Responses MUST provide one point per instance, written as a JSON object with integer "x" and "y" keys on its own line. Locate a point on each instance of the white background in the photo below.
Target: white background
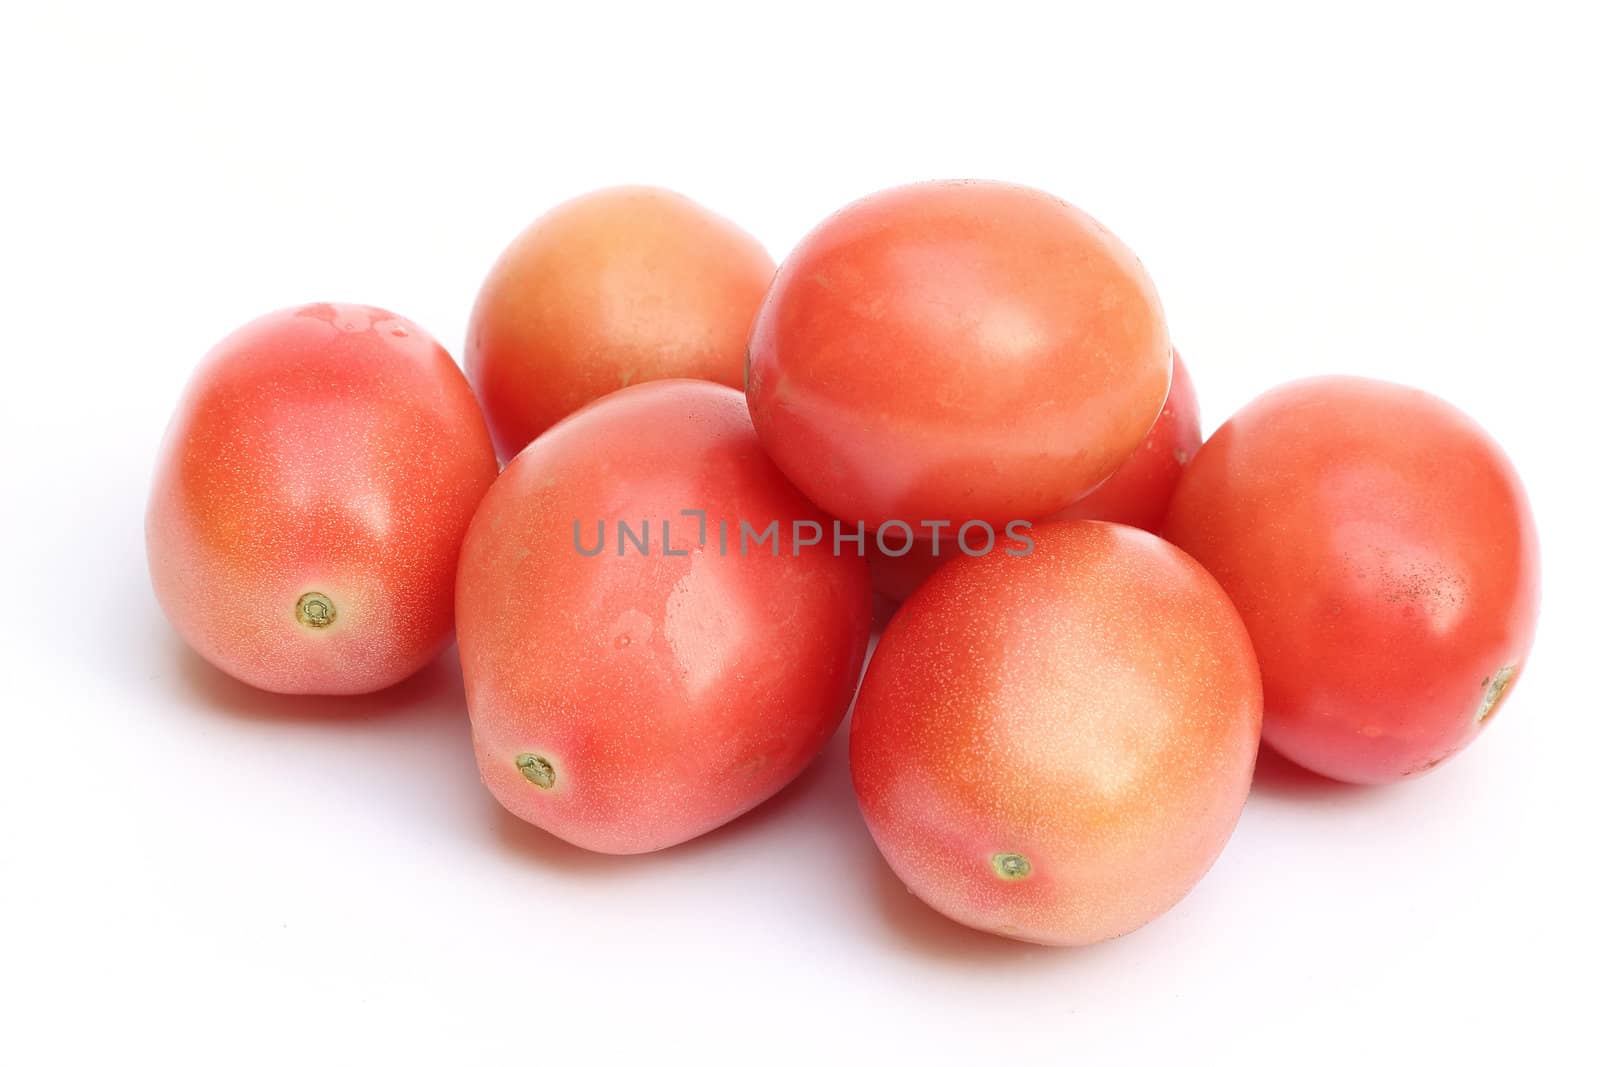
{"x": 195, "y": 872}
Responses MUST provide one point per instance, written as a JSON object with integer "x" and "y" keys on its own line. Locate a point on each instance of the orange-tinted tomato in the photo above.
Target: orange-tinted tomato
{"x": 619, "y": 286}
{"x": 635, "y": 698}
{"x": 955, "y": 351}
{"x": 311, "y": 497}
{"x": 1056, "y": 746}
{"x": 1380, "y": 548}
{"x": 1136, "y": 495}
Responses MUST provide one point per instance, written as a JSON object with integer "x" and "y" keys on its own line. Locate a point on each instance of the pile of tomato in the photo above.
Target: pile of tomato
{"x": 958, "y": 400}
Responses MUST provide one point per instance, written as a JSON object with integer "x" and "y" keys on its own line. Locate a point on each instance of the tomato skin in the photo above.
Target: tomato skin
{"x": 1092, "y": 708}
{"x": 332, "y": 452}
{"x": 618, "y": 286}
{"x": 1382, "y": 552}
{"x": 666, "y": 694}
{"x": 1136, "y": 495}
{"x": 955, "y": 351}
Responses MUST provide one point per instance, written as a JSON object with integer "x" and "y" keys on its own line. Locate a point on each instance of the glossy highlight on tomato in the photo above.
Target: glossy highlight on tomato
{"x": 615, "y": 287}
{"x": 1055, "y": 747}
{"x": 1381, "y": 549}
{"x": 310, "y": 500}
{"x": 953, "y": 351}
{"x": 628, "y": 699}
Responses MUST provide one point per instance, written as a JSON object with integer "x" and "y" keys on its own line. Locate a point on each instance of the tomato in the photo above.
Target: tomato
{"x": 619, "y": 286}
{"x": 955, "y": 351}
{"x": 633, "y": 698}
{"x": 311, "y": 497}
{"x": 1381, "y": 550}
{"x": 1136, "y": 495}
{"x": 1056, "y": 746}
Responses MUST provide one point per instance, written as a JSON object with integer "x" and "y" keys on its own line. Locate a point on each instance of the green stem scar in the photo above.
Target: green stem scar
{"x": 1493, "y": 689}
{"x": 1012, "y": 866}
{"x": 537, "y": 770}
{"x": 315, "y": 610}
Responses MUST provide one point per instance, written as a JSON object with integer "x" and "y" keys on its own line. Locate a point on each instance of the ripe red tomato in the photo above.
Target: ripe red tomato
{"x": 955, "y": 351}
{"x": 619, "y": 286}
{"x": 1136, "y": 495}
{"x": 1056, "y": 746}
{"x": 1380, "y": 548}
{"x": 630, "y": 700}
{"x": 311, "y": 497}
